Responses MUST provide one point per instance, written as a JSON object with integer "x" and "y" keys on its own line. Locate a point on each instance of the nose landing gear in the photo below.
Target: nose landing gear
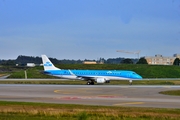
{"x": 130, "y": 82}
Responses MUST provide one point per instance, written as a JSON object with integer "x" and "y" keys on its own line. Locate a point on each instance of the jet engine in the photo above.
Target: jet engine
{"x": 100, "y": 80}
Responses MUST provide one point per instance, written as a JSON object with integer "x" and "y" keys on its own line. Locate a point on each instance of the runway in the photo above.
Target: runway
{"x": 106, "y": 95}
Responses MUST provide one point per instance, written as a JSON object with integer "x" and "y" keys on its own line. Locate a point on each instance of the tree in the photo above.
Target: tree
{"x": 176, "y": 61}
{"x": 127, "y": 61}
{"x": 9, "y": 62}
{"x": 142, "y": 61}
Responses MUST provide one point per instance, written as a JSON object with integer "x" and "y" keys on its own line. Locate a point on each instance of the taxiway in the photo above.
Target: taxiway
{"x": 106, "y": 95}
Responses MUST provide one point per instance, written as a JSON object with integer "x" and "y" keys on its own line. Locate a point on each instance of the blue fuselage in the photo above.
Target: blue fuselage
{"x": 91, "y": 74}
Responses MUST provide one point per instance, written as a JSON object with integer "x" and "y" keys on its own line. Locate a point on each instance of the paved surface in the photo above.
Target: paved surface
{"x": 4, "y": 77}
{"x": 108, "y": 95}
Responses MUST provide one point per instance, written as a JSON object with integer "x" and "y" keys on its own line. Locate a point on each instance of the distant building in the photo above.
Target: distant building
{"x": 160, "y": 60}
{"x": 89, "y": 62}
{"x": 31, "y": 65}
{"x": 101, "y": 62}
{"x": 177, "y": 55}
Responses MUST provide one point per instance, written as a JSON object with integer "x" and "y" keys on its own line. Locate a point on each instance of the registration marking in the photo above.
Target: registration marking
{"x": 129, "y": 103}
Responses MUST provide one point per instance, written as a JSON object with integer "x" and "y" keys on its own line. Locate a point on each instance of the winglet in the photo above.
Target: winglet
{"x": 48, "y": 65}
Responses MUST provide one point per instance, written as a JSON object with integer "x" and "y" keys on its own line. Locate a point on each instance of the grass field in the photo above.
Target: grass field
{"x": 171, "y": 92}
{"x": 146, "y": 71}
{"x": 37, "y": 111}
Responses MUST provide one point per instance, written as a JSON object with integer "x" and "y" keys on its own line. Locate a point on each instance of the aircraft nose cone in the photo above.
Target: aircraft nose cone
{"x": 139, "y": 77}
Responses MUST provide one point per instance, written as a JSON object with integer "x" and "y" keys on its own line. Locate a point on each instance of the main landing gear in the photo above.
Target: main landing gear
{"x": 90, "y": 82}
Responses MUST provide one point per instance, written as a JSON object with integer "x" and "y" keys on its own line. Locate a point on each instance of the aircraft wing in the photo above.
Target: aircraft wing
{"x": 82, "y": 77}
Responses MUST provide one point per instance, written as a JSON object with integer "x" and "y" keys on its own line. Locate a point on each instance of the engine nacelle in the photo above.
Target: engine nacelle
{"x": 100, "y": 80}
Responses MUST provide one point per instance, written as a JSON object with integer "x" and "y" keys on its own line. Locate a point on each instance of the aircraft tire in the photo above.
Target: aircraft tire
{"x": 88, "y": 83}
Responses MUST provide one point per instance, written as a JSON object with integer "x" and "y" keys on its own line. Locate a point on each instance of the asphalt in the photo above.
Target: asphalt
{"x": 106, "y": 95}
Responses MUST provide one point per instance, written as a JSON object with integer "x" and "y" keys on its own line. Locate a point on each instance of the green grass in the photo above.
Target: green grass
{"x": 171, "y": 92}
{"x": 36, "y": 111}
{"x": 146, "y": 71}
{"x": 35, "y": 72}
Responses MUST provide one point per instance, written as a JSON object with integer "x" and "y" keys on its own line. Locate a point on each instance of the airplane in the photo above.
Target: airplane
{"x": 91, "y": 76}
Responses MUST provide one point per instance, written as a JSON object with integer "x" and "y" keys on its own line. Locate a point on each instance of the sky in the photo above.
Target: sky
{"x": 89, "y": 29}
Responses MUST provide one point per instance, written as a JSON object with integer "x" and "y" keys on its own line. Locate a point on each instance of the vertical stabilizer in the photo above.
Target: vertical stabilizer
{"x": 48, "y": 64}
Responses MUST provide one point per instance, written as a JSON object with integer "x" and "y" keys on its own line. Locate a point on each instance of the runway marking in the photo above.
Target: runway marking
{"x": 57, "y": 91}
{"x": 74, "y": 97}
{"x": 68, "y": 91}
{"x": 79, "y": 90}
{"x": 88, "y": 97}
{"x": 110, "y": 96}
{"x": 129, "y": 103}
{"x": 70, "y": 98}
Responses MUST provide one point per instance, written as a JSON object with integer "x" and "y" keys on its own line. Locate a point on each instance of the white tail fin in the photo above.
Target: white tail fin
{"x": 48, "y": 64}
